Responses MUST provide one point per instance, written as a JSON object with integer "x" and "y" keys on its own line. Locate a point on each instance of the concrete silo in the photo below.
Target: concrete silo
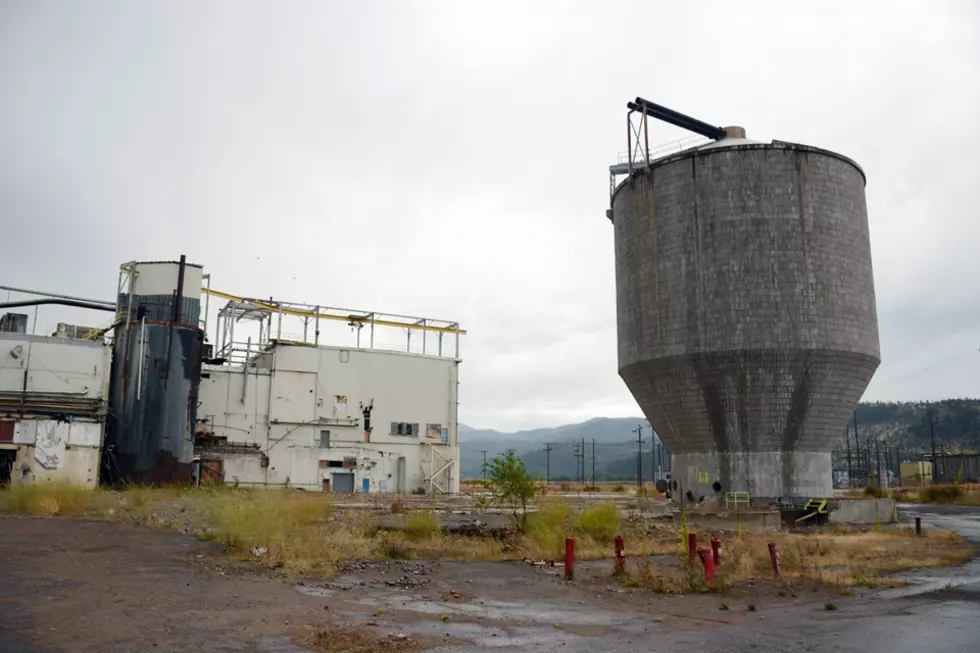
{"x": 746, "y": 309}
{"x": 156, "y": 373}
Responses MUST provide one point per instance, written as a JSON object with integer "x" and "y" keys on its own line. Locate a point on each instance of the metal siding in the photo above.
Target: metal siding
{"x": 150, "y": 429}
{"x": 293, "y": 397}
{"x": 85, "y": 434}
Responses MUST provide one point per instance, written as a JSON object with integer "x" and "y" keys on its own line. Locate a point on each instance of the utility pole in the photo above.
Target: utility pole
{"x": 847, "y": 438}
{"x": 583, "y": 461}
{"x": 857, "y": 440}
{"x": 878, "y": 459}
{"x": 639, "y": 455}
{"x": 593, "y": 461}
{"x": 484, "y": 465}
{"x": 577, "y": 452}
{"x": 932, "y": 436}
{"x": 547, "y": 451}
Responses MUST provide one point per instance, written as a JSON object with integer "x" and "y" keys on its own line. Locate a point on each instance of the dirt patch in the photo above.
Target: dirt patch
{"x": 345, "y": 640}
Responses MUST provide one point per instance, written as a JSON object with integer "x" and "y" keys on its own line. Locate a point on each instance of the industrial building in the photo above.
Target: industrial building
{"x": 746, "y": 312}
{"x": 339, "y": 418}
{"x": 53, "y": 405}
{"x": 150, "y": 397}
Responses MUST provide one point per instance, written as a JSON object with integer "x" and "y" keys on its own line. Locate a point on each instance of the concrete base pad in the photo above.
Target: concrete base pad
{"x": 763, "y": 474}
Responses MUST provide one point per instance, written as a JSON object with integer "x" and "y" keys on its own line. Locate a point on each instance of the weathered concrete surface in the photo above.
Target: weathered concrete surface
{"x": 752, "y": 521}
{"x": 863, "y": 511}
{"x": 746, "y": 313}
{"x": 104, "y": 587}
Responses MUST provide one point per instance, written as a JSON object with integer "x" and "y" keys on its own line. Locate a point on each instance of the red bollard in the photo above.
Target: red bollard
{"x": 716, "y": 550}
{"x": 569, "y": 558}
{"x": 620, "y": 558}
{"x": 692, "y": 546}
{"x": 774, "y": 555}
{"x": 708, "y": 560}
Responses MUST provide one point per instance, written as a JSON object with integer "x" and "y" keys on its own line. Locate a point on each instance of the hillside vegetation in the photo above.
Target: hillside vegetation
{"x": 956, "y": 423}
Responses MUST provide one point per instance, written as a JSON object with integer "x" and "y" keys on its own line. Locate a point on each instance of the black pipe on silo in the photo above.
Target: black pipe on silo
{"x": 180, "y": 287}
{"x": 676, "y": 118}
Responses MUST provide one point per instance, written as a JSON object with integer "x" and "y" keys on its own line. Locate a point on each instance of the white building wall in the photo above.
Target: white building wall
{"x": 42, "y": 379}
{"x": 53, "y": 451}
{"x": 76, "y": 368}
{"x": 311, "y": 390}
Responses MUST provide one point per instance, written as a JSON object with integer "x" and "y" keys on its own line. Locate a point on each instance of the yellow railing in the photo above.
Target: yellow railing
{"x": 737, "y": 499}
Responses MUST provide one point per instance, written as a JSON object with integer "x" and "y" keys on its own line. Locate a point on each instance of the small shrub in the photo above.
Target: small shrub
{"x": 422, "y": 525}
{"x": 419, "y": 491}
{"x": 830, "y": 606}
{"x": 847, "y": 592}
{"x": 513, "y": 487}
{"x": 874, "y": 491}
{"x": 723, "y": 606}
{"x": 590, "y": 488}
{"x": 600, "y": 522}
{"x": 395, "y": 552}
{"x": 940, "y": 493}
{"x": 565, "y": 487}
{"x": 750, "y": 607}
{"x": 397, "y": 507}
{"x": 619, "y": 488}
{"x": 549, "y": 526}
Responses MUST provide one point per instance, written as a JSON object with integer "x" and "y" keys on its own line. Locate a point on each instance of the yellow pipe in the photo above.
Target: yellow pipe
{"x": 343, "y": 318}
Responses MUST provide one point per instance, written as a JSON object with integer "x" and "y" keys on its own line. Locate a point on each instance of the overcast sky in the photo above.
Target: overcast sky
{"x": 449, "y": 159}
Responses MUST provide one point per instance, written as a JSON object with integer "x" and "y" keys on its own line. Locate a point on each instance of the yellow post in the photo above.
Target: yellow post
{"x": 682, "y": 534}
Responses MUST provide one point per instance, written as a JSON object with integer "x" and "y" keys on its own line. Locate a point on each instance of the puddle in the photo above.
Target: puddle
{"x": 539, "y": 611}
{"x": 278, "y": 645}
{"x": 313, "y": 590}
{"x": 966, "y": 522}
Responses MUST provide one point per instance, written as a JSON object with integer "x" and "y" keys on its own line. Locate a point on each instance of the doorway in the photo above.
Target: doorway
{"x": 7, "y": 458}
{"x": 343, "y": 483}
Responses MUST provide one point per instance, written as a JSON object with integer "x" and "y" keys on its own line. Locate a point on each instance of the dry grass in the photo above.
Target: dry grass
{"x": 841, "y": 557}
{"x": 422, "y": 525}
{"x": 957, "y": 495}
{"x": 50, "y": 499}
{"x": 289, "y": 528}
{"x": 303, "y": 533}
{"x": 594, "y": 528}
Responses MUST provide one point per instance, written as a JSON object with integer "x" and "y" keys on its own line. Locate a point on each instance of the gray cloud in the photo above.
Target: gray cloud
{"x": 449, "y": 159}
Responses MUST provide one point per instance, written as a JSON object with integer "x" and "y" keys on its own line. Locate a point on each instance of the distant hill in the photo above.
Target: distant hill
{"x": 615, "y": 448}
{"x": 905, "y": 425}
{"x": 956, "y": 423}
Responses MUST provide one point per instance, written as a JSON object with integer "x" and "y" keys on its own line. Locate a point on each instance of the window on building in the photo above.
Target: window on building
{"x": 410, "y": 429}
{"x": 324, "y": 439}
{"x": 433, "y": 431}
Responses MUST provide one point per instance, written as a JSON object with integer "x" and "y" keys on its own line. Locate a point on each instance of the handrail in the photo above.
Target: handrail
{"x": 364, "y": 317}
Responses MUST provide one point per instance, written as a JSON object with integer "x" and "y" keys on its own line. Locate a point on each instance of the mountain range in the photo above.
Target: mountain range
{"x": 905, "y": 425}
